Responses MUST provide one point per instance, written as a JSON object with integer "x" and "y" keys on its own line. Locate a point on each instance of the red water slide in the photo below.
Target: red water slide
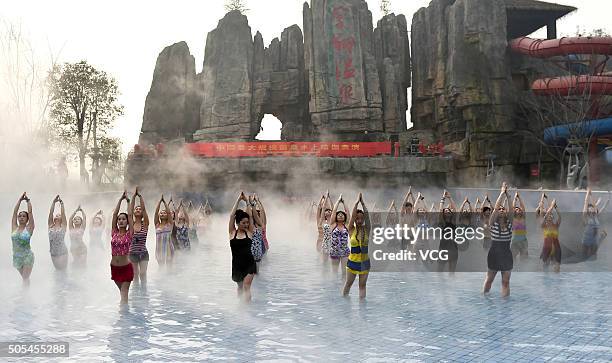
{"x": 569, "y": 85}
{"x": 573, "y": 85}
{"x": 539, "y": 48}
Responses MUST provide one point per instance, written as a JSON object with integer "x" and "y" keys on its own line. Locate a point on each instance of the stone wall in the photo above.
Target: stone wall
{"x": 339, "y": 80}
{"x": 172, "y": 105}
{"x": 462, "y": 84}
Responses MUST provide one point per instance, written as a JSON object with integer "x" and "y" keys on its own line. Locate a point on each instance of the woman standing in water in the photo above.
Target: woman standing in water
{"x": 77, "y": 225}
{"x": 139, "y": 255}
{"x": 122, "y": 271}
{"x": 241, "y": 228}
{"x": 182, "y": 228}
{"x": 96, "y": 231}
{"x": 195, "y": 219}
{"x": 499, "y": 258}
{"x": 261, "y": 221}
{"x": 448, "y": 223}
{"x": 358, "y": 261}
{"x": 339, "y": 250}
{"x": 22, "y": 229}
{"x": 164, "y": 224}
{"x": 323, "y": 224}
{"x": 484, "y": 219}
{"x": 551, "y": 250}
{"x": 519, "y": 245}
{"x": 57, "y": 233}
{"x": 590, "y": 218}
{"x": 407, "y": 215}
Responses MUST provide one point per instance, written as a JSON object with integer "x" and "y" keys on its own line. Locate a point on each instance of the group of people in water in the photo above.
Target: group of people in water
{"x": 176, "y": 228}
{"x": 503, "y": 223}
{"x": 343, "y": 234}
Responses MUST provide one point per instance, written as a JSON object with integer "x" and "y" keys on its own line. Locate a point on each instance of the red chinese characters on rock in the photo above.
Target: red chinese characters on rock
{"x": 343, "y": 44}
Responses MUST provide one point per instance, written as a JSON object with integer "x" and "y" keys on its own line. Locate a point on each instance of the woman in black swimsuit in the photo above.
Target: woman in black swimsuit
{"x": 241, "y": 228}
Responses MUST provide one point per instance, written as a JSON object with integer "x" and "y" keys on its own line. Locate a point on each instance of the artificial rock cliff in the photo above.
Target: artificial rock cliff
{"x": 462, "y": 84}
{"x": 339, "y": 79}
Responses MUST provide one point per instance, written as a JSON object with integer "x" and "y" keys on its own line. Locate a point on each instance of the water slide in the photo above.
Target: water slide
{"x": 592, "y": 85}
{"x": 570, "y": 85}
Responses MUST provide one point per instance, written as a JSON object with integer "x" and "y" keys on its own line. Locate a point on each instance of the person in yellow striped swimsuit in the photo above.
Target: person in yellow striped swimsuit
{"x": 358, "y": 261}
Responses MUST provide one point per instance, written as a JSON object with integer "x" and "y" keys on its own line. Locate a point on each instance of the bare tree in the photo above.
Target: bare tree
{"x": 575, "y": 111}
{"x": 240, "y": 5}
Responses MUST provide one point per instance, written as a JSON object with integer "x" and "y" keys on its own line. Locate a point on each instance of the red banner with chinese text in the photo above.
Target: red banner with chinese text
{"x": 289, "y": 149}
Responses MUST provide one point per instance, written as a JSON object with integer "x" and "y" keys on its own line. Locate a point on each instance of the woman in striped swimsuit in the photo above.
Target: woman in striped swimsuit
{"x": 339, "y": 250}
{"x": 358, "y": 261}
{"x": 139, "y": 255}
{"x": 164, "y": 224}
{"x": 499, "y": 258}
{"x": 57, "y": 233}
{"x": 77, "y": 225}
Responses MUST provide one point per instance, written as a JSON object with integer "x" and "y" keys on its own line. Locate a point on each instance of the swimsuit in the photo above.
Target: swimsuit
{"x": 120, "y": 243}
{"x": 326, "y": 241}
{"x": 182, "y": 237}
{"x": 164, "y": 247}
{"x": 243, "y": 263}
{"x": 138, "y": 247}
{"x": 500, "y": 257}
{"x": 551, "y": 250}
{"x": 519, "y": 236}
{"x": 120, "y": 246}
{"x": 57, "y": 246}
{"x": 359, "y": 261}
{"x": 339, "y": 243}
{"x": 591, "y": 231}
{"x": 77, "y": 246}
{"x": 22, "y": 253}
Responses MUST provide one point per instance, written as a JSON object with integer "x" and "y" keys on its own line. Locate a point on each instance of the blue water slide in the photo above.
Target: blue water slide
{"x": 559, "y": 134}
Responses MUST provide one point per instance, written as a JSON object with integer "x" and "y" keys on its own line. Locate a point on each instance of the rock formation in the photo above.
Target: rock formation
{"x": 226, "y": 81}
{"x": 340, "y": 79}
{"x": 462, "y": 85}
{"x": 171, "y": 107}
{"x": 345, "y": 96}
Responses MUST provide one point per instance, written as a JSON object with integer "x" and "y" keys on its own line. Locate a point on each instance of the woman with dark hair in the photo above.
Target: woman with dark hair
{"x": 139, "y": 254}
{"x": 164, "y": 224}
{"x": 499, "y": 258}
{"x": 22, "y": 229}
{"x": 77, "y": 225}
{"x": 484, "y": 219}
{"x": 407, "y": 215}
{"x": 194, "y": 218}
{"x": 448, "y": 223}
{"x": 122, "y": 271}
{"x": 551, "y": 250}
{"x": 323, "y": 226}
{"x": 358, "y": 261}
{"x": 391, "y": 221}
{"x": 590, "y": 218}
{"x": 182, "y": 227}
{"x": 57, "y": 233}
{"x": 96, "y": 231}
{"x": 261, "y": 221}
{"x": 241, "y": 228}
{"x": 519, "y": 245}
{"x": 339, "y": 250}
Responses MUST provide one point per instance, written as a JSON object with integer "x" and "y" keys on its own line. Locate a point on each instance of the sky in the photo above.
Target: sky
{"x": 124, "y": 38}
